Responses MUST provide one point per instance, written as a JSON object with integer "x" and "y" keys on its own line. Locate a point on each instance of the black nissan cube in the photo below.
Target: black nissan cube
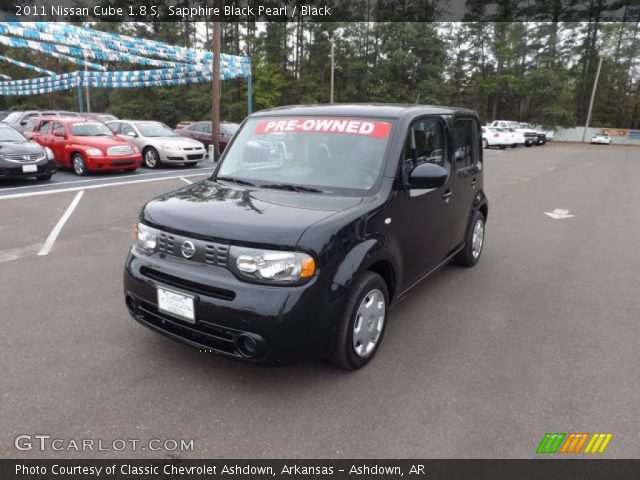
{"x": 315, "y": 220}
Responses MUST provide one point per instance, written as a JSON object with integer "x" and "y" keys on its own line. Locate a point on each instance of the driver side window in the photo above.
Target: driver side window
{"x": 424, "y": 144}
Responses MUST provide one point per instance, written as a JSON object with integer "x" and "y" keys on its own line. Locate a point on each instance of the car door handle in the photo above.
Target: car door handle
{"x": 473, "y": 183}
{"x": 447, "y": 196}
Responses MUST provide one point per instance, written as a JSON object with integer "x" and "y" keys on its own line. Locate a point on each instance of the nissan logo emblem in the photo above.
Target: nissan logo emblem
{"x": 188, "y": 249}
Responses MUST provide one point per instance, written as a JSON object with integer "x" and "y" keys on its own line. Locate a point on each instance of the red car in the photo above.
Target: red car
{"x": 201, "y": 131}
{"x": 85, "y": 145}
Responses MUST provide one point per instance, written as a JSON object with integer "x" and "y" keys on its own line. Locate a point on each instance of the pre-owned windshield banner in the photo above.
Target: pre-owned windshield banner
{"x": 350, "y": 126}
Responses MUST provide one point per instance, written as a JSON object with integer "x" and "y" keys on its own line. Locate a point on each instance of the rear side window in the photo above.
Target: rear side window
{"x": 465, "y": 143}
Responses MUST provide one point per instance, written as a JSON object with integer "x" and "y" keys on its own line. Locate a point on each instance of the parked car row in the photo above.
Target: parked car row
{"x": 43, "y": 140}
{"x": 507, "y": 133}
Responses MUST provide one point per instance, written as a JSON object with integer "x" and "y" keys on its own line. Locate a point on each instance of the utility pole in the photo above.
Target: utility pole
{"x": 86, "y": 81}
{"x": 215, "y": 86}
{"x": 593, "y": 96}
{"x": 333, "y": 42}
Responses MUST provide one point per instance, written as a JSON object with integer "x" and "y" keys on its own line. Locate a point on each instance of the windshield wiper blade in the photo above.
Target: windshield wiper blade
{"x": 292, "y": 188}
{"x": 235, "y": 180}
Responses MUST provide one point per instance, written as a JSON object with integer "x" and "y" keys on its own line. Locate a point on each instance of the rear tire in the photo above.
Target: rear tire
{"x": 470, "y": 254}
{"x": 502, "y": 147}
{"x": 360, "y": 329}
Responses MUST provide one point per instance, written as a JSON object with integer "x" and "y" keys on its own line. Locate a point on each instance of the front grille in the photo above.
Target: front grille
{"x": 203, "y": 333}
{"x": 120, "y": 150}
{"x": 188, "y": 149}
{"x": 166, "y": 243}
{"x": 18, "y": 171}
{"x": 188, "y": 285}
{"x": 205, "y": 252}
{"x": 23, "y": 158}
{"x": 197, "y": 156}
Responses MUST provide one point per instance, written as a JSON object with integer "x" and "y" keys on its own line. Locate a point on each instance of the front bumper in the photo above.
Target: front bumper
{"x": 15, "y": 169}
{"x": 104, "y": 163}
{"x": 182, "y": 156}
{"x": 287, "y": 323}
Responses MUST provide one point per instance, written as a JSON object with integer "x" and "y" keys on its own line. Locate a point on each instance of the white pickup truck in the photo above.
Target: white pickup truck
{"x": 530, "y": 135}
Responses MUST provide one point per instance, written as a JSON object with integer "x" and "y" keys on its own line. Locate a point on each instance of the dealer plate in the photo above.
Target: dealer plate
{"x": 29, "y": 168}
{"x": 177, "y": 304}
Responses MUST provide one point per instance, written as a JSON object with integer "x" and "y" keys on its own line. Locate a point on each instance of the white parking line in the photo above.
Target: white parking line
{"x": 51, "y": 239}
{"x": 185, "y": 180}
{"x": 91, "y": 187}
{"x": 107, "y": 179}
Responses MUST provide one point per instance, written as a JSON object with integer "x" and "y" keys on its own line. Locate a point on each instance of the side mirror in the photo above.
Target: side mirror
{"x": 427, "y": 175}
{"x": 132, "y": 134}
{"x": 58, "y": 133}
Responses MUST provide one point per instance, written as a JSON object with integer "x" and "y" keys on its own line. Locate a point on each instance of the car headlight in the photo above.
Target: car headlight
{"x": 272, "y": 266}
{"x": 49, "y": 153}
{"x": 135, "y": 149}
{"x": 166, "y": 146}
{"x": 145, "y": 238}
{"x": 94, "y": 152}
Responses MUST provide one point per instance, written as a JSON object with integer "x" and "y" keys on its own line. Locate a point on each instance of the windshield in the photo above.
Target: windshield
{"x": 90, "y": 130}
{"x": 8, "y": 134}
{"x": 332, "y": 155}
{"x": 155, "y": 130}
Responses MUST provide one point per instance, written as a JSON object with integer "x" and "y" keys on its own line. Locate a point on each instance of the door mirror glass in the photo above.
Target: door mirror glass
{"x": 132, "y": 134}
{"x": 427, "y": 175}
{"x": 59, "y": 133}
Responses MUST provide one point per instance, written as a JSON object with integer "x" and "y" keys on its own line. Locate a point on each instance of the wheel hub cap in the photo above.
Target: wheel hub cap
{"x": 477, "y": 238}
{"x": 369, "y": 323}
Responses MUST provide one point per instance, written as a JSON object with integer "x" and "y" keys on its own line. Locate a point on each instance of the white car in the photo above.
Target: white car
{"x": 530, "y": 135}
{"x": 601, "y": 138}
{"x": 158, "y": 143}
{"x": 495, "y": 137}
{"x": 517, "y": 138}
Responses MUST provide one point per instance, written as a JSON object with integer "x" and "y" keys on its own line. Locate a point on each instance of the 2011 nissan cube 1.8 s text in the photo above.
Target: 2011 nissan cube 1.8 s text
{"x": 315, "y": 221}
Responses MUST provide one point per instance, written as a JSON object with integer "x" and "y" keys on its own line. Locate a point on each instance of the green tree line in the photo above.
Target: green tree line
{"x": 541, "y": 72}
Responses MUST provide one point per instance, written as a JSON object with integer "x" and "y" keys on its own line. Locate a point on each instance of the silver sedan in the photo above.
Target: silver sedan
{"x": 158, "y": 143}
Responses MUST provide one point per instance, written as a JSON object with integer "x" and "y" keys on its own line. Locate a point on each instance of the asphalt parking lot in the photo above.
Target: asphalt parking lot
{"x": 541, "y": 336}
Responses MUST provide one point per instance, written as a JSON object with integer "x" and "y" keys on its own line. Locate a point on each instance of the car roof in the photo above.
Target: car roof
{"x": 363, "y": 110}
{"x": 64, "y": 119}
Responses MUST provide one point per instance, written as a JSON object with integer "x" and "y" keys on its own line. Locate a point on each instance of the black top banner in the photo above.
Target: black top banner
{"x": 541, "y": 469}
{"x": 322, "y": 10}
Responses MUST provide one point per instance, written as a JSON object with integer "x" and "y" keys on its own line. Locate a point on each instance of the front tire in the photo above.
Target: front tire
{"x": 78, "y": 164}
{"x": 361, "y": 328}
{"x": 470, "y": 254}
{"x": 151, "y": 158}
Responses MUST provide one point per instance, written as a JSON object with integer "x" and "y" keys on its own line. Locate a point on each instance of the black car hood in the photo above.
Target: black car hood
{"x": 20, "y": 148}
{"x": 242, "y": 214}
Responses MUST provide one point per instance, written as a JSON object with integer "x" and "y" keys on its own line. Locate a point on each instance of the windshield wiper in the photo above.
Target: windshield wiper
{"x": 292, "y": 188}
{"x": 235, "y": 180}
